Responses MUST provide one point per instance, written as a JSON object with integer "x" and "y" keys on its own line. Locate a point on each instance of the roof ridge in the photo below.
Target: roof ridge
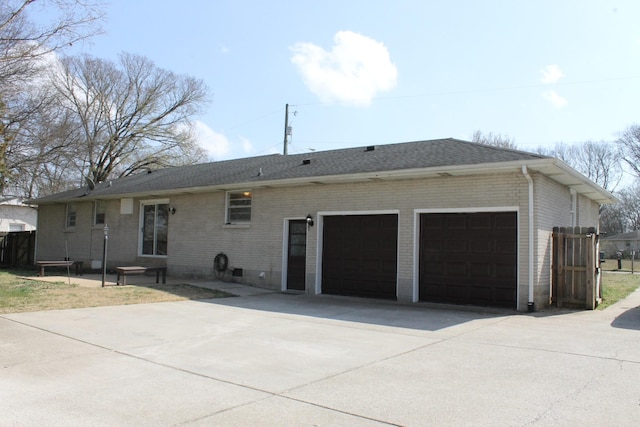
{"x": 495, "y": 147}
{"x": 367, "y": 159}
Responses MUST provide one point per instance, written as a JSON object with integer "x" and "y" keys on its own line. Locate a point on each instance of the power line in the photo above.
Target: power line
{"x": 444, "y": 93}
{"x": 255, "y": 119}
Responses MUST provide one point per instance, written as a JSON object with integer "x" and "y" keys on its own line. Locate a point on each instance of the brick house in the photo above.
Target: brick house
{"x": 624, "y": 243}
{"x": 441, "y": 221}
{"x": 16, "y": 216}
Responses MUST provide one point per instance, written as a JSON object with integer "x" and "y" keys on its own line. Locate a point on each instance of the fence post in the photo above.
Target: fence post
{"x": 560, "y": 263}
{"x": 554, "y": 266}
{"x": 590, "y": 273}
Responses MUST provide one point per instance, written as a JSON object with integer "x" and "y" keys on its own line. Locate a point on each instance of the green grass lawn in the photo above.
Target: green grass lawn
{"x": 618, "y": 283}
{"x": 19, "y": 294}
{"x": 627, "y": 265}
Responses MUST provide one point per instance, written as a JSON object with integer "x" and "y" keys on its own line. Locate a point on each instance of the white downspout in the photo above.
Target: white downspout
{"x": 530, "y": 304}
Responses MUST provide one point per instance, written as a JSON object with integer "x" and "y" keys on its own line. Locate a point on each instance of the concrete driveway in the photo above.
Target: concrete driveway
{"x": 272, "y": 359}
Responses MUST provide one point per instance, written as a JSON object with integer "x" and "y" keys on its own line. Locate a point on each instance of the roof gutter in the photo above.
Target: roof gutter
{"x": 550, "y": 167}
{"x": 530, "y": 303}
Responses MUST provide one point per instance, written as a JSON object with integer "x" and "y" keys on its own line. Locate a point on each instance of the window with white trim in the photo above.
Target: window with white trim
{"x": 16, "y": 227}
{"x": 71, "y": 216}
{"x": 238, "y": 207}
{"x": 99, "y": 212}
{"x": 155, "y": 228}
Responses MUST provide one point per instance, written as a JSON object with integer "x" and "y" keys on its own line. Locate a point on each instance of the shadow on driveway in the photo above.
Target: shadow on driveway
{"x": 630, "y": 319}
{"x": 420, "y": 316}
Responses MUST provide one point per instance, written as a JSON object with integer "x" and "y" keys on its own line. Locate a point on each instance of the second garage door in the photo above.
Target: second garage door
{"x": 360, "y": 255}
{"x": 469, "y": 258}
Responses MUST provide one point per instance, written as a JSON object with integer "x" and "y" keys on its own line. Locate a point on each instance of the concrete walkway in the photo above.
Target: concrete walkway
{"x": 273, "y": 359}
{"x": 95, "y": 281}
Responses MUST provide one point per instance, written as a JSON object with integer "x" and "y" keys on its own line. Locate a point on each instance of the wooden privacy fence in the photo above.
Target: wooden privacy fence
{"x": 576, "y": 268}
{"x": 17, "y": 249}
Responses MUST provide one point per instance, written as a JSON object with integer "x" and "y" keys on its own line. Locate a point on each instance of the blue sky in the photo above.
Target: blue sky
{"x": 375, "y": 72}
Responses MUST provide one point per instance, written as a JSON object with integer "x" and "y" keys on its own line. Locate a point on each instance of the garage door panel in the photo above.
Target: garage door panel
{"x": 481, "y": 246}
{"x": 459, "y": 246}
{"x": 434, "y": 245}
{"x": 363, "y": 259}
{"x": 455, "y": 269}
{"x": 469, "y": 258}
{"x": 480, "y": 270}
{"x": 503, "y": 296}
{"x": 437, "y": 290}
{"x": 507, "y": 221}
{"x": 505, "y": 246}
{"x": 433, "y": 268}
{"x": 387, "y": 267}
{"x": 505, "y": 271}
{"x": 455, "y": 223}
{"x": 370, "y": 265}
{"x": 436, "y": 223}
{"x": 481, "y": 294}
{"x": 456, "y": 293}
{"x": 480, "y": 222}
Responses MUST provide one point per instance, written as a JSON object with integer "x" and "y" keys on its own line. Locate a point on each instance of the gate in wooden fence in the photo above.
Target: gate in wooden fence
{"x": 17, "y": 249}
{"x": 576, "y": 268}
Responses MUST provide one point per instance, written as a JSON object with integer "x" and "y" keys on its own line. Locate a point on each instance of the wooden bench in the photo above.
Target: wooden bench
{"x": 128, "y": 271}
{"x": 42, "y": 264}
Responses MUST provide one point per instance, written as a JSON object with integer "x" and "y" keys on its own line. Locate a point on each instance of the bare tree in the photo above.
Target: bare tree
{"x": 26, "y": 49}
{"x": 598, "y": 161}
{"x": 612, "y": 219}
{"x": 495, "y": 140}
{"x": 629, "y": 147}
{"x": 23, "y": 43}
{"x": 602, "y": 162}
{"x": 625, "y": 215}
{"x": 131, "y": 115}
{"x": 41, "y": 147}
{"x": 630, "y": 206}
{"x": 560, "y": 151}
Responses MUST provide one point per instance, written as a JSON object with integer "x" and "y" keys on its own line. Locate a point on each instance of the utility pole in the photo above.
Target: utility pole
{"x": 286, "y": 128}
{"x": 104, "y": 253}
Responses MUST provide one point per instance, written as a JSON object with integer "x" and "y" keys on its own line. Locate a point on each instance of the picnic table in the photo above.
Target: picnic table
{"x": 123, "y": 272}
{"x": 60, "y": 263}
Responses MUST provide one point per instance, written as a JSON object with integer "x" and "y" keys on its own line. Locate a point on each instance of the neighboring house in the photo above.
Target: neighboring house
{"x": 440, "y": 221}
{"x": 17, "y": 216}
{"x": 624, "y": 243}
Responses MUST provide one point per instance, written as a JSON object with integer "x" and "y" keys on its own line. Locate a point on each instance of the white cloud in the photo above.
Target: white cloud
{"x": 247, "y": 146}
{"x": 551, "y": 74}
{"x": 216, "y": 144}
{"x": 556, "y": 100}
{"x": 353, "y": 72}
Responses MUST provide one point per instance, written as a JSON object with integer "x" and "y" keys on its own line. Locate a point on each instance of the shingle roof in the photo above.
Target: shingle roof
{"x": 631, "y": 235}
{"x": 275, "y": 167}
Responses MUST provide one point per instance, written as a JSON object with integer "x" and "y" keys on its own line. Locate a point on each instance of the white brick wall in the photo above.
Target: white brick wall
{"x": 197, "y": 231}
{"x": 17, "y": 215}
{"x": 553, "y": 209}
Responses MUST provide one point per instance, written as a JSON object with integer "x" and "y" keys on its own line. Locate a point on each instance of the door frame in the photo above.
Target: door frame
{"x": 416, "y": 241}
{"x": 319, "y": 233}
{"x": 285, "y": 248}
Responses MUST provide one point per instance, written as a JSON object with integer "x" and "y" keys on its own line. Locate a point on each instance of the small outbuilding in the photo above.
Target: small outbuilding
{"x": 439, "y": 221}
{"x": 624, "y": 244}
{"x": 17, "y": 216}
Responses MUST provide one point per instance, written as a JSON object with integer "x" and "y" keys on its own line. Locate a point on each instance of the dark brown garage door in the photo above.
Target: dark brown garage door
{"x": 469, "y": 258}
{"x": 359, "y": 255}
